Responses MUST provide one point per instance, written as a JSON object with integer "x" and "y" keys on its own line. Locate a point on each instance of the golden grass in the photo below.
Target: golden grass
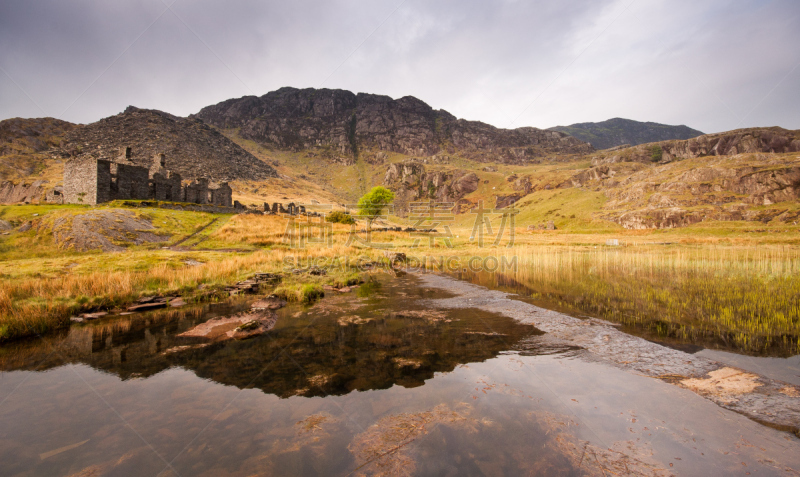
{"x": 741, "y": 289}
{"x": 747, "y": 298}
{"x": 33, "y": 305}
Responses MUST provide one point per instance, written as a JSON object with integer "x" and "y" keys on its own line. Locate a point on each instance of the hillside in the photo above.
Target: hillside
{"x": 192, "y": 148}
{"x": 24, "y": 146}
{"x": 287, "y": 147}
{"x": 739, "y": 179}
{"x": 774, "y": 140}
{"x": 341, "y": 126}
{"x": 618, "y": 132}
{"x": 25, "y": 136}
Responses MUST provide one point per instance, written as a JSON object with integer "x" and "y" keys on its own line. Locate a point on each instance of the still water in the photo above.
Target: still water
{"x": 379, "y": 381}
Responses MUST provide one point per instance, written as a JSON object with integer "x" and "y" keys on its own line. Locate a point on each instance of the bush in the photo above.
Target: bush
{"x": 655, "y": 153}
{"x": 338, "y": 217}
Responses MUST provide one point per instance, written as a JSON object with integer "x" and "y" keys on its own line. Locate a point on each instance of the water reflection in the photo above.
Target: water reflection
{"x": 336, "y": 389}
{"x": 377, "y": 337}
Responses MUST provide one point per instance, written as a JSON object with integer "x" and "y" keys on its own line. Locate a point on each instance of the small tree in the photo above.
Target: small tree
{"x": 372, "y": 204}
{"x": 655, "y": 153}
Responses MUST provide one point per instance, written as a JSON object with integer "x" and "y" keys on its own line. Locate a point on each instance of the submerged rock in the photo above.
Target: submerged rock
{"x": 148, "y": 306}
{"x": 272, "y": 302}
{"x": 240, "y": 326}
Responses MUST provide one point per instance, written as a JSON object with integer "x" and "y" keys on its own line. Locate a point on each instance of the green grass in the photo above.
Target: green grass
{"x": 572, "y": 209}
{"x": 308, "y": 288}
{"x": 23, "y": 213}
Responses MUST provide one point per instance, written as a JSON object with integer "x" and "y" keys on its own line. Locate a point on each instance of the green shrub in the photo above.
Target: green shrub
{"x": 656, "y": 153}
{"x": 338, "y": 217}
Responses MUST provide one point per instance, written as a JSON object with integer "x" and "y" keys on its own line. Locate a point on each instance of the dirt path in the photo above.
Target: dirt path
{"x": 762, "y": 399}
{"x": 194, "y": 233}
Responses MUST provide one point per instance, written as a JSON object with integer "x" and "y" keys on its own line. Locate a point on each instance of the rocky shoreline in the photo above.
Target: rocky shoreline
{"x": 251, "y": 285}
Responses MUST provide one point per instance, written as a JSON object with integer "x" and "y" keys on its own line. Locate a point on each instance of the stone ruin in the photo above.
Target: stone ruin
{"x": 290, "y": 209}
{"x": 92, "y": 181}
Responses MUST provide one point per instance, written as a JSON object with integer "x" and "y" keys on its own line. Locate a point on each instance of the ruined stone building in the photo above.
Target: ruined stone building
{"x": 278, "y": 208}
{"x": 88, "y": 180}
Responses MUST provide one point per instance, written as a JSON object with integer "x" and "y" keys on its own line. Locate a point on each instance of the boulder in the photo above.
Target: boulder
{"x": 504, "y": 201}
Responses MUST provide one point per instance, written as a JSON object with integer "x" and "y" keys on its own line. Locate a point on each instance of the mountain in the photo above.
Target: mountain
{"x": 618, "y": 131}
{"x": 192, "y": 148}
{"x": 342, "y": 126}
{"x": 312, "y": 138}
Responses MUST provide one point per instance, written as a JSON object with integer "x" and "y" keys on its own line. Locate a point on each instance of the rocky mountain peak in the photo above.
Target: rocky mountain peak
{"x": 347, "y": 124}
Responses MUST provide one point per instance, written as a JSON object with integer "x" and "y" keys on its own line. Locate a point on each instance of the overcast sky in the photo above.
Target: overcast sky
{"x": 712, "y": 65}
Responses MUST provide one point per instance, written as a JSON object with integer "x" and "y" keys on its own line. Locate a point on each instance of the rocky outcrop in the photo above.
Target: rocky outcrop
{"x": 715, "y": 185}
{"x": 671, "y": 217}
{"x": 522, "y": 184}
{"x": 411, "y": 182}
{"x": 618, "y": 132}
{"x": 740, "y": 141}
{"x": 503, "y": 201}
{"x": 11, "y": 193}
{"x": 191, "y": 148}
{"x": 678, "y": 194}
{"x": 658, "y": 218}
{"x": 550, "y": 225}
{"x": 605, "y": 174}
{"x": 341, "y": 123}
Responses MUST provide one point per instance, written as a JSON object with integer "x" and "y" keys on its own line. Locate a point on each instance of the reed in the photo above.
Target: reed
{"x": 34, "y": 305}
{"x": 740, "y": 290}
{"x": 746, "y": 298}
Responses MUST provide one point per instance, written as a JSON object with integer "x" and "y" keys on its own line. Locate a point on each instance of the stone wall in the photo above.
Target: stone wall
{"x": 291, "y": 209}
{"x": 128, "y": 182}
{"x": 81, "y": 180}
{"x": 55, "y": 195}
{"x": 166, "y": 186}
{"x": 220, "y": 194}
{"x": 196, "y": 192}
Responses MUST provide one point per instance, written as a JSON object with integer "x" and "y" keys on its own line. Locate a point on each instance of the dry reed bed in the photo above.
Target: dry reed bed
{"x": 746, "y": 298}
{"x": 36, "y": 305}
{"x": 745, "y": 295}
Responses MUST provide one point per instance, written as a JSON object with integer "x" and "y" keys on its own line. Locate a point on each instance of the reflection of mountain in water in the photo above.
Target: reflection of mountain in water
{"x": 343, "y": 343}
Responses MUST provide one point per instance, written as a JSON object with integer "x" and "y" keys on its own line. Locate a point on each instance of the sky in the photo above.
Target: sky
{"x": 712, "y": 65}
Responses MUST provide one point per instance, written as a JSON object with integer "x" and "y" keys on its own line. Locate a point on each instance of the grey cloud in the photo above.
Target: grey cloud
{"x": 710, "y": 65}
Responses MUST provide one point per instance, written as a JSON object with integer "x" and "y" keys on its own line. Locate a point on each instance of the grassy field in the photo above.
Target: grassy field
{"x": 734, "y": 282}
